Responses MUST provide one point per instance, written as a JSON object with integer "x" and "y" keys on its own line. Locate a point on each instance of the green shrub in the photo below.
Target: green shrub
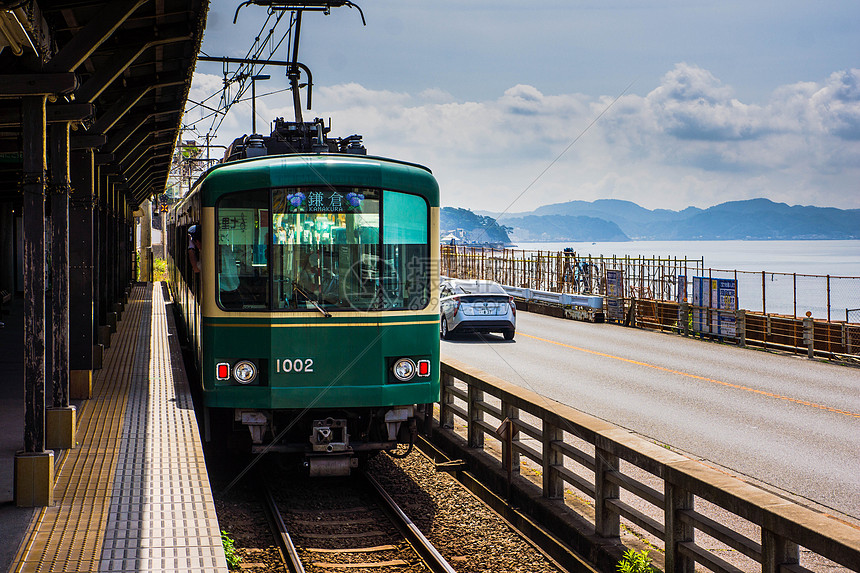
{"x": 635, "y": 562}
{"x": 233, "y": 560}
{"x": 159, "y": 269}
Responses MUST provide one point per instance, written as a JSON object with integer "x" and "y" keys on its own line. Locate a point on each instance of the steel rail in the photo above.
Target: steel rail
{"x": 292, "y": 561}
{"x": 432, "y": 558}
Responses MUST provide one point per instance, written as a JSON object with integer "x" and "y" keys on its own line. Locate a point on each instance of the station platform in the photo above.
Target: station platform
{"x": 134, "y": 494}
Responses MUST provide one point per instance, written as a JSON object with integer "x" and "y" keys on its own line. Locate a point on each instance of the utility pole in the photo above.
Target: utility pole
{"x": 253, "y": 102}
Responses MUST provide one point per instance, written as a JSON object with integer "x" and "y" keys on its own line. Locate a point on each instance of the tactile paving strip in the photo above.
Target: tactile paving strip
{"x": 134, "y": 495}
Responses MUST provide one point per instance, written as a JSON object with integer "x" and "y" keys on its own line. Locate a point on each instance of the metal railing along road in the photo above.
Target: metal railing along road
{"x": 606, "y": 463}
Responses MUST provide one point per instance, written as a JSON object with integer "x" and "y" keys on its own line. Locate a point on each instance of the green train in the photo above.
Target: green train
{"x": 306, "y": 273}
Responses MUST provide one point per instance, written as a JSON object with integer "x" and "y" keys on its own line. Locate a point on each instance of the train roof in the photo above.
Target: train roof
{"x": 296, "y": 170}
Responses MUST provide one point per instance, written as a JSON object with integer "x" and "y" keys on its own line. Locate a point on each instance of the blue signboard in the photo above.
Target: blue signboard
{"x": 724, "y": 296}
{"x": 721, "y": 295}
{"x": 701, "y": 302}
{"x": 614, "y": 294}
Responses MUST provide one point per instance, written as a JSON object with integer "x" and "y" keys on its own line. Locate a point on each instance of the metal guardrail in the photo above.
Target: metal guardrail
{"x": 661, "y": 279}
{"x": 827, "y": 339}
{"x": 585, "y": 453}
{"x": 593, "y": 302}
{"x": 562, "y": 299}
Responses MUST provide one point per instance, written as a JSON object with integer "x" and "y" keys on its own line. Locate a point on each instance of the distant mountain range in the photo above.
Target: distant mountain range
{"x": 615, "y": 220}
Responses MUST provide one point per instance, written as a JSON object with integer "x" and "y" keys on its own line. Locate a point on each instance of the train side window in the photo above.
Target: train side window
{"x": 406, "y": 253}
{"x": 241, "y": 247}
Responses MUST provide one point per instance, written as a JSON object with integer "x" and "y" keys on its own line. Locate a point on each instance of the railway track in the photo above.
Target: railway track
{"x": 346, "y": 524}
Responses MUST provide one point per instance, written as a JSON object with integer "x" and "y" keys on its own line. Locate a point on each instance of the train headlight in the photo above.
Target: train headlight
{"x": 404, "y": 369}
{"x": 244, "y": 372}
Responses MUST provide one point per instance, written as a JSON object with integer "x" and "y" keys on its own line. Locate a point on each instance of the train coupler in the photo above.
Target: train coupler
{"x": 329, "y": 435}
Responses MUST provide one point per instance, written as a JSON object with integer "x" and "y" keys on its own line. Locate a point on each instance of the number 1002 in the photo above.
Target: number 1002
{"x": 294, "y": 365}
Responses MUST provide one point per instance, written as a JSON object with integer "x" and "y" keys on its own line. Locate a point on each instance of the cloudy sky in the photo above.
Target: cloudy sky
{"x": 514, "y": 105}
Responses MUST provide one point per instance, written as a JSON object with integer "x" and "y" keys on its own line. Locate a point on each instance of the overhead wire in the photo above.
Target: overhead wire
{"x": 245, "y": 71}
{"x": 242, "y": 74}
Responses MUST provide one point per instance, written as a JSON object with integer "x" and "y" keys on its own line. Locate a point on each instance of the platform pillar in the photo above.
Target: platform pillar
{"x": 95, "y": 285}
{"x": 101, "y": 246}
{"x": 33, "y": 210}
{"x": 81, "y": 339}
{"x": 60, "y": 189}
{"x": 146, "y": 242}
{"x": 60, "y": 427}
{"x": 104, "y": 336}
{"x": 34, "y": 479}
{"x": 80, "y": 384}
{"x": 98, "y": 356}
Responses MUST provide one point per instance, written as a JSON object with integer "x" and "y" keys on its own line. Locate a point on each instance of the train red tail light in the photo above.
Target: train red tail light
{"x": 423, "y": 368}
{"x": 222, "y": 371}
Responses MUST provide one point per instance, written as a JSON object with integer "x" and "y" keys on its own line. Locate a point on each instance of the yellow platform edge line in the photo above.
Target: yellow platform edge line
{"x": 27, "y": 559}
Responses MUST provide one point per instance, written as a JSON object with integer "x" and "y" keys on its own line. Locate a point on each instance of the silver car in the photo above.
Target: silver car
{"x": 476, "y": 306}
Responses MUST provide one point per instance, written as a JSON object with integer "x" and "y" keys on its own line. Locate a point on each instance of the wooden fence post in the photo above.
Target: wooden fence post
{"x": 475, "y": 431}
{"x": 777, "y": 551}
{"x": 809, "y": 336}
{"x": 741, "y": 327}
{"x": 607, "y": 523}
{"x": 676, "y": 532}
{"x": 446, "y": 415}
{"x": 684, "y": 311}
{"x": 553, "y": 486}
{"x": 513, "y": 414}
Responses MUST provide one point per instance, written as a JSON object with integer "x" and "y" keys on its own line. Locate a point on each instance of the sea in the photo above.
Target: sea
{"x": 827, "y": 281}
{"x": 834, "y": 258}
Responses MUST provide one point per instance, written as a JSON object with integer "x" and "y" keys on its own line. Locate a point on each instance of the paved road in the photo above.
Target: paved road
{"x": 786, "y": 421}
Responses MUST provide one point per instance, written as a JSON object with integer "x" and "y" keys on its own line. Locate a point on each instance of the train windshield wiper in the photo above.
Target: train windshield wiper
{"x": 310, "y": 299}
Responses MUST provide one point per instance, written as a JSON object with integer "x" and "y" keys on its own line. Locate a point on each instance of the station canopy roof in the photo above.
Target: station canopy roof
{"x": 118, "y": 70}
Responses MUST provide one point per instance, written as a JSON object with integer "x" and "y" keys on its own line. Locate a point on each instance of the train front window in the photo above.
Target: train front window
{"x": 339, "y": 248}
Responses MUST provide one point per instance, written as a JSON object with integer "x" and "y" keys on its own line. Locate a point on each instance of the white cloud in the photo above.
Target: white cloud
{"x": 688, "y": 141}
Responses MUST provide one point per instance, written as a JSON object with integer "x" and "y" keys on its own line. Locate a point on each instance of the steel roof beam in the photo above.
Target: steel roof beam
{"x": 155, "y": 132}
{"x": 87, "y": 141}
{"x": 131, "y": 126}
{"x": 93, "y": 35}
{"x": 104, "y": 123}
{"x": 145, "y": 154}
{"x": 121, "y": 61}
{"x": 21, "y": 85}
{"x": 100, "y": 159}
{"x": 133, "y": 168}
{"x": 59, "y": 113}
